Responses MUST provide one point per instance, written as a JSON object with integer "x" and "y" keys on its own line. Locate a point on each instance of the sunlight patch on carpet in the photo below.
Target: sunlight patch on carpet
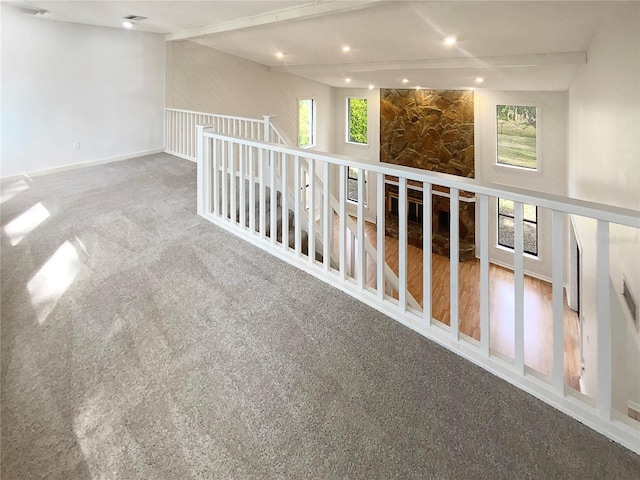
{"x": 48, "y": 285}
{"x": 21, "y": 226}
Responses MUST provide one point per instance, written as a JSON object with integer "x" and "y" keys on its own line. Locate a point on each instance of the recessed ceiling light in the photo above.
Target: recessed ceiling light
{"x": 346, "y": 48}
{"x": 479, "y": 80}
{"x": 450, "y": 40}
{"x": 405, "y": 80}
{"x": 280, "y": 54}
{"x": 371, "y": 86}
{"x": 127, "y": 24}
{"x": 348, "y": 80}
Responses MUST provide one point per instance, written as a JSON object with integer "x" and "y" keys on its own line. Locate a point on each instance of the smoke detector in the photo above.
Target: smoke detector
{"x": 134, "y": 18}
{"x": 31, "y": 11}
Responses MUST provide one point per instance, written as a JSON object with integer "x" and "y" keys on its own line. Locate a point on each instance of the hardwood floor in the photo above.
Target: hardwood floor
{"x": 537, "y": 305}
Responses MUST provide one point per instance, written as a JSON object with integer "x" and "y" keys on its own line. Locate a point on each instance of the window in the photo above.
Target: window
{"x": 357, "y": 124}
{"x": 306, "y": 122}
{"x": 506, "y": 226}
{"x": 517, "y": 136}
{"x": 352, "y": 185}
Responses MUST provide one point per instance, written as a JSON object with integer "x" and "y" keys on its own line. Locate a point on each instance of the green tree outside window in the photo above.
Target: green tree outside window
{"x": 306, "y": 127}
{"x": 517, "y": 142}
{"x": 357, "y": 108}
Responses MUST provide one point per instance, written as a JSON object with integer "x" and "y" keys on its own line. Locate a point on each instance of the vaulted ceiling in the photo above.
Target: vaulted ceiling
{"x": 510, "y": 45}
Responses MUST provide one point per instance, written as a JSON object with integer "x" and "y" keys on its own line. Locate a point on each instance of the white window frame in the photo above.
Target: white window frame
{"x": 313, "y": 129}
{"x": 535, "y": 256}
{"x": 538, "y": 168}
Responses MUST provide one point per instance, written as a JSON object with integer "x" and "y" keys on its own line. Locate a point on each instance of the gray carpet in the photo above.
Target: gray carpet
{"x": 162, "y": 347}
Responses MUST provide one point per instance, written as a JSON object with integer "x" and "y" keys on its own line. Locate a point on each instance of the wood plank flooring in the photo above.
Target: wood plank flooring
{"x": 537, "y": 304}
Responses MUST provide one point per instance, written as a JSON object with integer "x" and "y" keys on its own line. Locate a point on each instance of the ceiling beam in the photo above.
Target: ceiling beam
{"x": 534, "y": 60}
{"x": 298, "y": 12}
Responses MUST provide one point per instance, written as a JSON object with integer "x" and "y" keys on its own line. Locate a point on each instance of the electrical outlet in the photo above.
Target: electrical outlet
{"x": 76, "y": 145}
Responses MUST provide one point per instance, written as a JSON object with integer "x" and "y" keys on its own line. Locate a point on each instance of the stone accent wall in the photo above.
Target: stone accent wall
{"x": 429, "y": 129}
{"x": 432, "y": 130}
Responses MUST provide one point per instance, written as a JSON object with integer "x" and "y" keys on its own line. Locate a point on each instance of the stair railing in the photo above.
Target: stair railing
{"x": 222, "y": 157}
{"x": 390, "y": 277}
{"x": 221, "y": 154}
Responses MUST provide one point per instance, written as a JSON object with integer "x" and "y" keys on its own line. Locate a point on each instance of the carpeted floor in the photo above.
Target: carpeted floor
{"x": 142, "y": 342}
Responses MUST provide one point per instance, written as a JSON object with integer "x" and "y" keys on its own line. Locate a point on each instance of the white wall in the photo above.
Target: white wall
{"x": 201, "y": 78}
{"x": 604, "y": 166}
{"x": 65, "y": 82}
{"x": 369, "y": 153}
{"x": 550, "y": 177}
{"x": 552, "y": 114}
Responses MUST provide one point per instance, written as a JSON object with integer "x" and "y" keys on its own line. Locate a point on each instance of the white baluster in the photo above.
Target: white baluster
{"x": 285, "y": 204}
{"x": 296, "y": 186}
{"x": 312, "y": 210}
{"x": 557, "y": 259}
{"x": 380, "y": 226}
{"x": 201, "y": 182}
{"x": 342, "y": 223}
{"x": 224, "y": 149}
{"x": 402, "y": 243}
{"x": 262, "y": 191}
{"x": 181, "y": 133}
{"x": 454, "y": 258}
{"x": 241, "y": 180}
{"x": 216, "y": 176}
{"x": 518, "y": 272}
{"x": 174, "y": 130}
{"x": 603, "y": 310}
{"x": 426, "y": 253}
{"x": 185, "y": 133}
{"x": 232, "y": 179}
{"x": 252, "y": 193}
{"x": 190, "y": 135}
{"x": 208, "y": 193}
{"x": 485, "y": 334}
{"x": 274, "y": 202}
{"x": 361, "y": 224}
{"x": 327, "y": 215}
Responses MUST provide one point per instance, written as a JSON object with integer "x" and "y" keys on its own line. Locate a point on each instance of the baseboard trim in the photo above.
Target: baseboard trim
{"x": 180, "y": 155}
{"x": 91, "y": 163}
{"x": 526, "y": 272}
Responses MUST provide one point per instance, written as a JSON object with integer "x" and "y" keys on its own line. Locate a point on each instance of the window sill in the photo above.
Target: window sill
{"x": 528, "y": 256}
{"x": 517, "y": 168}
{"x": 355, "y": 203}
{"x": 357, "y": 144}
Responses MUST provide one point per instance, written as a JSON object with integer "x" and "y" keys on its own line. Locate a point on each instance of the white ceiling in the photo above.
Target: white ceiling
{"x": 163, "y": 16}
{"x": 512, "y": 45}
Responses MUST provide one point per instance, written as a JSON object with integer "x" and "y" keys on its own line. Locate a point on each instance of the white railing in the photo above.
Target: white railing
{"x": 180, "y": 129}
{"x": 180, "y": 140}
{"x": 240, "y": 177}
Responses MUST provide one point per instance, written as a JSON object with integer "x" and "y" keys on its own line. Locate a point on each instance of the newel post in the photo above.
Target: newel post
{"x": 603, "y": 311}
{"x": 267, "y": 127}
{"x": 200, "y": 159}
